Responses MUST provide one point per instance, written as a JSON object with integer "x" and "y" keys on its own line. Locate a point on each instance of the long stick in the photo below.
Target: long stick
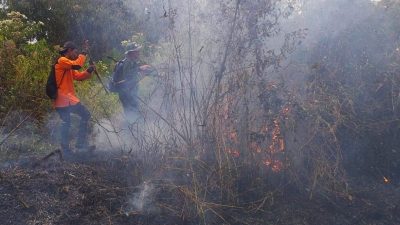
{"x": 98, "y": 76}
{"x": 90, "y": 61}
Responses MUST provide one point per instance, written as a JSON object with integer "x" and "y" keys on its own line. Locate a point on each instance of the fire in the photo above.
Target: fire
{"x": 282, "y": 145}
{"x": 386, "y": 180}
{"x": 255, "y": 147}
{"x": 264, "y": 129}
{"x": 275, "y": 165}
{"x": 234, "y": 136}
{"x": 271, "y": 86}
{"x": 277, "y": 144}
{"x": 266, "y": 143}
{"x": 234, "y": 152}
{"x": 270, "y": 148}
{"x": 285, "y": 111}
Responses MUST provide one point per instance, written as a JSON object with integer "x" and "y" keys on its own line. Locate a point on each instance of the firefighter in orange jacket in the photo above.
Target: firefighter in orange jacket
{"x": 66, "y": 70}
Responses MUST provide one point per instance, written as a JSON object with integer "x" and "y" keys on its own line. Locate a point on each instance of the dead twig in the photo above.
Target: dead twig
{"x": 55, "y": 152}
{"x": 15, "y": 128}
{"x": 24, "y": 204}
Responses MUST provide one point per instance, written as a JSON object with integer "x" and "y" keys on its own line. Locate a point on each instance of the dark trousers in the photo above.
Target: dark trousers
{"x": 65, "y": 115}
{"x": 128, "y": 100}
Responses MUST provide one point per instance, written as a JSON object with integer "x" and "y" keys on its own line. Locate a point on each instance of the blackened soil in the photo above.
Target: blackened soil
{"x": 101, "y": 192}
{"x": 72, "y": 192}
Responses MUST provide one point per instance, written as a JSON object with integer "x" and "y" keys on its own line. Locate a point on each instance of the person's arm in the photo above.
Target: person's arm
{"x": 67, "y": 64}
{"x": 145, "y": 67}
{"x": 145, "y": 70}
{"x": 77, "y": 75}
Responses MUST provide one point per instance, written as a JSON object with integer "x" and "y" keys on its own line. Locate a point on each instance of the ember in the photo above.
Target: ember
{"x": 386, "y": 180}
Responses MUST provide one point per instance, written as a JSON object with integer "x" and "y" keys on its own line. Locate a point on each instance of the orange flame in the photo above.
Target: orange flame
{"x": 264, "y": 129}
{"x": 269, "y": 142}
{"x": 277, "y": 144}
{"x": 255, "y": 147}
{"x": 234, "y": 136}
{"x": 235, "y": 153}
{"x": 386, "y": 180}
{"x": 275, "y": 165}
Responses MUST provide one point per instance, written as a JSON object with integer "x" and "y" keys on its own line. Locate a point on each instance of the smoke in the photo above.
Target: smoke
{"x": 326, "y": 18}
{"x": 352, "y": 46}
{"x": 193, "y": 38}
{"x": 340, "y": 34}
{"x": 330, "y": 19}
{"x": 141, "y": 201}
{"x": 21, "y": 137}
{"x": 195, "y": 48}
{"x": 134, "y": 130}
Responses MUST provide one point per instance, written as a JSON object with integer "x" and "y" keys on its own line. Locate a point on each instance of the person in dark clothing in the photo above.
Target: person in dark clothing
{"x": 127, "y": 76}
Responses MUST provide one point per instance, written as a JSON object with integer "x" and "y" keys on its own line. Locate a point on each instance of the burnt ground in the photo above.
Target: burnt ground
{"x": 103, "y": 191}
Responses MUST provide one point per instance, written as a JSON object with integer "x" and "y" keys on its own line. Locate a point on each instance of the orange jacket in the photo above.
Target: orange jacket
{"x": 69, "y": 69}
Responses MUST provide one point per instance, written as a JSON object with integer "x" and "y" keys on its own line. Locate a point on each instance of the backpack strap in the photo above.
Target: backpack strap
{"x": 118, "y": 72}
{"x": 62, "y": 78}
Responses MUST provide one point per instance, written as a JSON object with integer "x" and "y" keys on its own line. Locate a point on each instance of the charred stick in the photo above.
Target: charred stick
{"x": 57, "y": 151}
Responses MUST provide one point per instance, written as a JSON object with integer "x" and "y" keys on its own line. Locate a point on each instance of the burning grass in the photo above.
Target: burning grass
{"x": 244, "y": 150}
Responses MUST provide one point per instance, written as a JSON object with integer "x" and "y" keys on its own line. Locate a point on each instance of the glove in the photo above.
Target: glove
{"x": 90, "y": 69}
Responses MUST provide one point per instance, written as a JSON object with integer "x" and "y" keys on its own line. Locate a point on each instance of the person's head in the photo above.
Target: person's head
{"x": 133, "y": 51}
{"x": 69, "y": 50}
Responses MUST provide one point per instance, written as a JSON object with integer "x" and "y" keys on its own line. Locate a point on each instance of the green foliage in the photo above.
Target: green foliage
{"x": 28, "y": 47}
{"x": 18, "y": 28}
{"x": 104, "y": 23}
{"x": 24, "y": 63}
{"x": 25, "y": 66}
{"x": 24, "y": 76}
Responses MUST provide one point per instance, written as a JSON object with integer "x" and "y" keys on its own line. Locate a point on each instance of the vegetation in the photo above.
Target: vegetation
{"x": 104, "y": 23}
{"x": 239, "y": 121}
{"x": 24, "y": 66}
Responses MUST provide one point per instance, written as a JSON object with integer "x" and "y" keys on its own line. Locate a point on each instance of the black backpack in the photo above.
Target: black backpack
{"x": 51, "y": 85}
{"x": 116, "y": 77}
